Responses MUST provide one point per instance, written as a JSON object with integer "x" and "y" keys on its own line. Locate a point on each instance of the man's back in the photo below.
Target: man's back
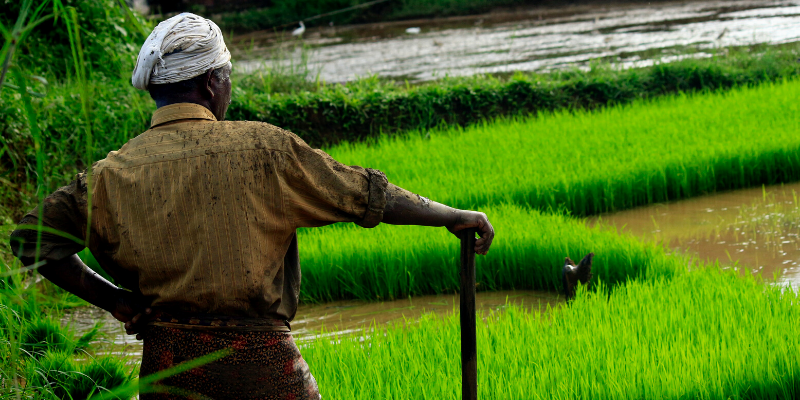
{"x": 200, "y": 215}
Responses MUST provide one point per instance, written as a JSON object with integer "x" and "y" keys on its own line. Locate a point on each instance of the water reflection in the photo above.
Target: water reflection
{"x": 539, "y": 39}
{"x": 758, "y": 229}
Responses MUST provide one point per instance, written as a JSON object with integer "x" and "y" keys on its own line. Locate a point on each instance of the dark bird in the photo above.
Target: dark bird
{"x": 573, "y": 274}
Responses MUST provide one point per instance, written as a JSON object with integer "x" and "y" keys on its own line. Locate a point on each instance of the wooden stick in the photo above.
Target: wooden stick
{"x": 469, "y": 364}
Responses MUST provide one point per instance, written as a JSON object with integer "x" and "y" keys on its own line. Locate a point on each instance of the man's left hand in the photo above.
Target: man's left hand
{"x": 131, "y": 310}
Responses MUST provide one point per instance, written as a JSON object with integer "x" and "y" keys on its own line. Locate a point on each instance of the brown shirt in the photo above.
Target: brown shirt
{"x": 201, "y": 216}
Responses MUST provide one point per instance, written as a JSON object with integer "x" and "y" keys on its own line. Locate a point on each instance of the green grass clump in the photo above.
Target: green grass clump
{"x": 391, "y": 262}
{"x": 707, "y": 334}
{"x": 58, "y": 376}
{"x": 594, "y": 162}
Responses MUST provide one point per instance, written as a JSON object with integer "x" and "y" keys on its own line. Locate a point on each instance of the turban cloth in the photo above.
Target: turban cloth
{"x": 180, "y": 48}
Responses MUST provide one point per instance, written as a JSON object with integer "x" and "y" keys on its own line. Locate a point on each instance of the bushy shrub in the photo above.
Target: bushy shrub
{"x": 110, "y": 34}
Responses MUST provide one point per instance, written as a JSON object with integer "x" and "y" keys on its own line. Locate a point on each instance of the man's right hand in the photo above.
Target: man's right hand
{"x": 472, "y": 219}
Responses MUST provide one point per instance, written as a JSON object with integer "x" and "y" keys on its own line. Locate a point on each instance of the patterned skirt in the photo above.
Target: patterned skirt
{"x": 260, "y": 365}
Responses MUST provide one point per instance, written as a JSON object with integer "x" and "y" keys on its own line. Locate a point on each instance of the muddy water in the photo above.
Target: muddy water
{"x": 332, "y": 318}
{"x": 535, "y": 39}
{"x": 756, "y": 229}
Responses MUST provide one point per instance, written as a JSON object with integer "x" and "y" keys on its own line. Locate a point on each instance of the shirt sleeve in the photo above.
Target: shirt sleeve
{"x": 63, "y": 222}
{"x": 320, "y": 190}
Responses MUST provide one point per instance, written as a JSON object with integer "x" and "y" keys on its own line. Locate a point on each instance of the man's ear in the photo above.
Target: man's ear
{"x": 208, "y": 87}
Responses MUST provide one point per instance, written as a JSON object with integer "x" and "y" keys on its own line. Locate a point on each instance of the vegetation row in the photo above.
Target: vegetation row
{"x": 591, "y": 162}
{"x": 583, "y": 163}
{"x": 393, "y": 262}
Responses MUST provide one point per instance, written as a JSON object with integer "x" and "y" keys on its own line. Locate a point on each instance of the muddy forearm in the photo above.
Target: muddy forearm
{"x": 406, "y": 208}
{"x": 72, "y": 275}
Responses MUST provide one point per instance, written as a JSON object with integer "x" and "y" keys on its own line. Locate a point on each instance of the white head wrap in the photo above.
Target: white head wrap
{"x": 180, "y": 48}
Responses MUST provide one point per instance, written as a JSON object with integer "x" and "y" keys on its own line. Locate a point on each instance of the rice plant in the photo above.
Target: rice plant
{"x": 707, "y": 334}
{"x": 390, "y": 262}
{"x": 594, "y": 162}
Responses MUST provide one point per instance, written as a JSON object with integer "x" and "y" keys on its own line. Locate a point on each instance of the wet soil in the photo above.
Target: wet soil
{"x": 535, "y": 39}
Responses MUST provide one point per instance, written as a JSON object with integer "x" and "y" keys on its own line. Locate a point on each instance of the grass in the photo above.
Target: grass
{"x": 707, "y": 334}
{"x": 593, "y": 162}
{"x": 391, "y": 262}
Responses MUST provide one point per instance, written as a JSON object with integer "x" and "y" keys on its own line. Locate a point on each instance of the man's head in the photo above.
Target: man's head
{"x": 185, "y": 60}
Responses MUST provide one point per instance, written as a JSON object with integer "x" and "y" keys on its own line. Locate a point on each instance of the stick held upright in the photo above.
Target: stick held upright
{"x": 469, "y": 362}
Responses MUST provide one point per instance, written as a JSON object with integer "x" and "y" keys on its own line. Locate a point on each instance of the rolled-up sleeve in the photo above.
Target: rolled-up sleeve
{"x": 320, "y": 190}
{"x": 64, "y": 225}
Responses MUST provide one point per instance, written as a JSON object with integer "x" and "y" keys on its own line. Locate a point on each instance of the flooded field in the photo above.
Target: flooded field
{"x": 333, "y": 318}
{"x": 757, "y": 229}
{"x": 536, "y": 39}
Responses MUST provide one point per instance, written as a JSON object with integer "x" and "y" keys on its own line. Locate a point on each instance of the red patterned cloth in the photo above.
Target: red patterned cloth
{"x": 263, "y": 365}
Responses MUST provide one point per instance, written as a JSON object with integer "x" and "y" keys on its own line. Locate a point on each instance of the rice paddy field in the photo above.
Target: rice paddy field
{"x": 652, "y": 325}
{"x": 576, "y": 163}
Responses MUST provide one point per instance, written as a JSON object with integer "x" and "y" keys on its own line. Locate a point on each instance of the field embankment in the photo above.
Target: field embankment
{"x": 325, "y": 115}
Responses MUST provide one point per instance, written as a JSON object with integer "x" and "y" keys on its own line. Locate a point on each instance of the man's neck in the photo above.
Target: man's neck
{"x": 165, "y": 102}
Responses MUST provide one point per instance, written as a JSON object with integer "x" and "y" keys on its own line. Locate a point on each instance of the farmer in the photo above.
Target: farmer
{"x": 197, "y": 219}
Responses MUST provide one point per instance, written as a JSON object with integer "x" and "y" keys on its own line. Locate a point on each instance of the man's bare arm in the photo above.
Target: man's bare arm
{"x": 406, "y": 208}
{"x": 72, "y": 275}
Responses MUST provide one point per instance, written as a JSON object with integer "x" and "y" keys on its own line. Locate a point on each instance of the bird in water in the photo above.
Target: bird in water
{"x": 573, "y": 274}
{"x": 299, "y": 31}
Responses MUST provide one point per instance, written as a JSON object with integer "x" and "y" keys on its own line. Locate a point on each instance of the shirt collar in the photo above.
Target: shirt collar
{"x": 178, "y": 111}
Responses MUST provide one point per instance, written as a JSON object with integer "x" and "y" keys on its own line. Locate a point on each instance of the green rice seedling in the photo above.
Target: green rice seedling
{"x": 43, "y": 335}
{"x": 57, "y": 375}
{"x": 390, "y": 262}
{"x": 42, "y": 358}
{"x": 594, "y": 162}
{"x": 706, "y": 334}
